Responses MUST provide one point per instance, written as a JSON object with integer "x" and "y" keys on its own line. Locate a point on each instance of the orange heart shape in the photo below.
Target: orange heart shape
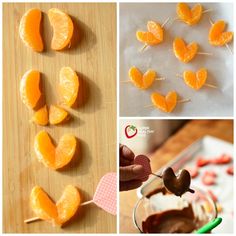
{"x": 54, "y": 157}
{"x": 187, "y": 15}
{"x": 58, "y": 213}
{"x": 217, "y": 36}
{"x": 183, "y": 52}
{"x": 167, "y": 103}
{"x": 153, "y": 36}
{"x": 195, "y": 80}
{"x": 141, "y": 81}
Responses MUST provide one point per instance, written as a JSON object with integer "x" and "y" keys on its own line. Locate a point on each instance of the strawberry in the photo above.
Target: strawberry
{"x": 208, "y": 180}
{"x": 213, "y": 196}
{"x": 223, "y": 159}
{"x": 211, "y": 173}
{"x": 193, "y": 171}
{"x": 202, "y": 162}
{"x": 230, "y": 170}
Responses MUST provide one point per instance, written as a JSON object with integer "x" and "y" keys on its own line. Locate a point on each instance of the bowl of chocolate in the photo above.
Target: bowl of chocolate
{"x": 174, "y": 206}
{"x": 161, "y": 211}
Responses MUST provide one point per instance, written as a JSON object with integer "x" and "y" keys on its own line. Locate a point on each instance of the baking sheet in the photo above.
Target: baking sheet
{"x": 208, "y": 147}
{"x": 205, "y": 102}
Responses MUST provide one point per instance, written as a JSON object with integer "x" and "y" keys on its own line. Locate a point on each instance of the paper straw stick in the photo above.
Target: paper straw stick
{"x": 33, "y": 219}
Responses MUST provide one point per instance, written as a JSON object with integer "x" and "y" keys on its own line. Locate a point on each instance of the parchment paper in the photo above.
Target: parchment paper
{"x": 205, "y": 102}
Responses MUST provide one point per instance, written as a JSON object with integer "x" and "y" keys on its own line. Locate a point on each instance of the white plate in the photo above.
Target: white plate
{"x": 205, "y": 102}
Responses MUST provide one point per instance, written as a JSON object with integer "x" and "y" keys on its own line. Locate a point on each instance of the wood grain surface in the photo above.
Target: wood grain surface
{"x": 94, "y": 122}
{"x": 193, "y": 130}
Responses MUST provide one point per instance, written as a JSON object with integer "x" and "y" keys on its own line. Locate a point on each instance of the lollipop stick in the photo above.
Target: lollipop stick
{"x": 144, "y": 47}
{"x": 159, "y": 176}
{"x": 184, "y": 100}
{"x": 228, "y": 47}
{"x": 149, "y": 106}
{"x": 165, "y": 22}
{"x": 33, "y": 219}
{"x": 205, "y": 53}
{"x": 208, "y": 10}
{"x": 86, "y": 203}
{"x": 211, "y": 86}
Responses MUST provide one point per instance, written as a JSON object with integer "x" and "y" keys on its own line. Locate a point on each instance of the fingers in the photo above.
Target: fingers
{"x": 132, "y": 172}
{"x": 126, "y": 156}
{"x": 128, "y": 185}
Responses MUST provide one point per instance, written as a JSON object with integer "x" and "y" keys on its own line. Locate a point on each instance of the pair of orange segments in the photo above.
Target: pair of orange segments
{"x": 30, "y": 29}
{"x": 183, "y": 52}
{"x": 52, "y": 156}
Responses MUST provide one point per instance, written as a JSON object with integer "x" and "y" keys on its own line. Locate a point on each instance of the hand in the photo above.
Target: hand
{"x": 129, "y": 172}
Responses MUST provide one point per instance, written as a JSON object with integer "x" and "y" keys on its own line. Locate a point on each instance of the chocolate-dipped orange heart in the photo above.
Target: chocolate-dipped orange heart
{"x": 176, "y": 184}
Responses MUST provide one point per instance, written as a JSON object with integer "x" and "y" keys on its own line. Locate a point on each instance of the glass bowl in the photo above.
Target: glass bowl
{"x": 203, "y": 206}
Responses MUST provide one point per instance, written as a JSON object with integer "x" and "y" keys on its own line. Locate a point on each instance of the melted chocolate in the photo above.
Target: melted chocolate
{"x": 177, "y": 184}
{"x": 171, "y": 221}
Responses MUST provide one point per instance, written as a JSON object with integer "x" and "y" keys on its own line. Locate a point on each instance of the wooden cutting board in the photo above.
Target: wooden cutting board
{"x": 94, "y": 123}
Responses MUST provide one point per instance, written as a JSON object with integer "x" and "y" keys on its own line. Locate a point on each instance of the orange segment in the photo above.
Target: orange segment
{"x": 29, "y": 29}
{"x": 40, "y": 117}
{"x": 65, "y": 150}
{"x": 187, "y": 15}
{"x": 195, "y": 81}
{"x": 68, "y": 204}
{"x": 147, "y": 37}
{"x": 30, "y": 88}
{"x": 58, "y": 213}
{"x": 42, "y": 205}
{"x": 153, "y": 36}
{"x": 68, "y": 85}
{"x": 183, "y": 52}
{"x": 62, "y": 28}
{"x": 217, "y": 36}
{"x": 142, "y": 81}
{"x": 57, "y": 115}
{"x": 51, "y": 156}
{"x": 156, "y": 30}
{"x": 167, "y": 103}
